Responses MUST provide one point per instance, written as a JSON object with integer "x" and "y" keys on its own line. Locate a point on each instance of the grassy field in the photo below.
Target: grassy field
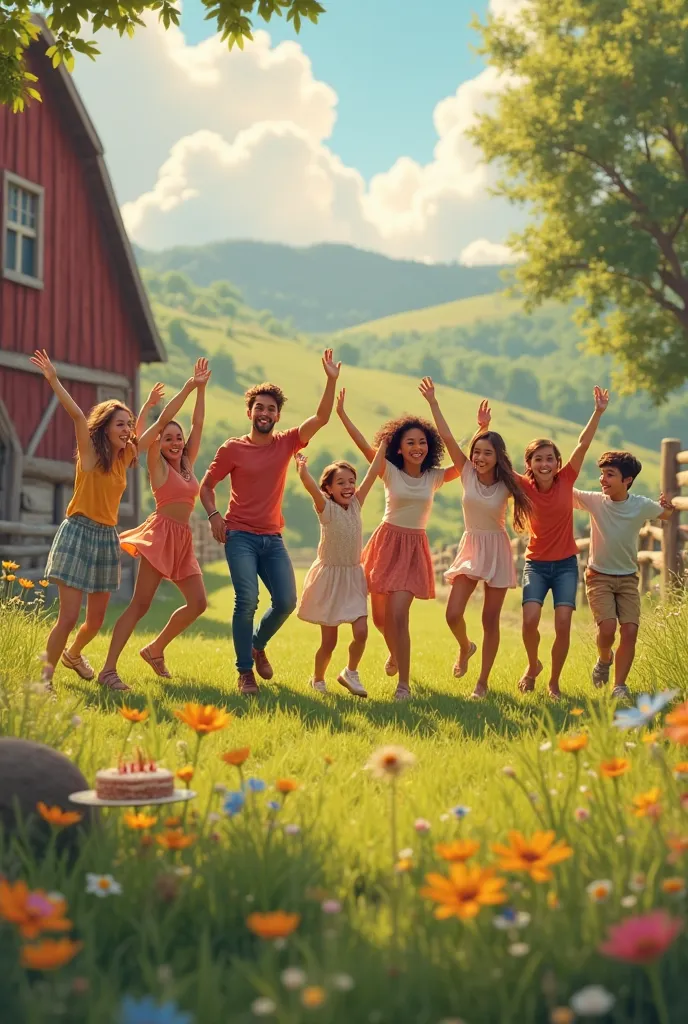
{"x": 460, "y": 313}
{"x": 349, "y": 852}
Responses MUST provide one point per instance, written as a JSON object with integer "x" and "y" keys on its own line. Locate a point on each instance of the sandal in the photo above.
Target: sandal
{"x": 111, "y": 680}
{"x": 461, "y": 664}
{"x": 391, "y": 666}
{"x": 554, "y": 695}
{"x": 157, "y": 664}
{"x": 402, "y": 692}
{"x": 526, "y": 683}
{"x": 79, "y": 665}
{"x": 480, "y": 693}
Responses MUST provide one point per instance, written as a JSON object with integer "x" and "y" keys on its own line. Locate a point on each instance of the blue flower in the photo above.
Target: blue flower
{"x": 256, "y": 785}
{"x": 234, "y": 801}
{"x": 147, "y": 1011}
{"x": 274, "y": 805}
{"x": 644, "y": 711}
{"x": 460, "y": 811}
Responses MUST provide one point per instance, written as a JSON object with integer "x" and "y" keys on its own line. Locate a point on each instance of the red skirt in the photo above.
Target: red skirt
{"x": 399, "y": 559}
{"x": 166, "y": 544}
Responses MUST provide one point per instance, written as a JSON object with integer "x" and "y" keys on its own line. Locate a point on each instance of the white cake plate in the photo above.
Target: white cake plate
{"x": 89, "y": 798}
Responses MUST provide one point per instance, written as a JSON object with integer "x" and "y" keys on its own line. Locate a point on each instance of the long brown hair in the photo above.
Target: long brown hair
{"x": 185, "y": 463}
{"x": 540, "y": 442}
{"x": 329, "y": 472}
{"x": 98, "y": 422}
{"x": 504, "y": 471}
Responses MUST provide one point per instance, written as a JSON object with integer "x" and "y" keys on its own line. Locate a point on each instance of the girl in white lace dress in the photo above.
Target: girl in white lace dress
{"x": 335, "y": 591}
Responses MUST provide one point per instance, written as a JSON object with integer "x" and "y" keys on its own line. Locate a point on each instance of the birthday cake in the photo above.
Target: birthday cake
{"x": 135, "y": 781}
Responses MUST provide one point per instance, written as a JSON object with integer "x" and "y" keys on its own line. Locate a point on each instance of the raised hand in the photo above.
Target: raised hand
{"x": 157, "y": 393}
{"x": 427, "y": 389}
{"x": 201, "y": 373}
{"x": 340, "y": 401}
{"x": 601, "y": 398}
{"x": 301, "y": 464}
{"x": 41, "y": 359}
{"x": 484, "y": 415}
{"x": 330, "y": 367}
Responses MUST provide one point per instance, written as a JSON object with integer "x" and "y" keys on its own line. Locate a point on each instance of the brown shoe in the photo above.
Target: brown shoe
{"x": 263, "y": 666}
{"x": 79, "y": 665}
{"x": 247, "y": 683}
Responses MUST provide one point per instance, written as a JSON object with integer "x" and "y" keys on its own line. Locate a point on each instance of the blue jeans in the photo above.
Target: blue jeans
{"x": 249, "y": 556}
{"x": 560, "y": 576}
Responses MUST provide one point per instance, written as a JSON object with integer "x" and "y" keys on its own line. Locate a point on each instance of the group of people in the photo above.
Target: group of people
{"x": 395, "y": 566}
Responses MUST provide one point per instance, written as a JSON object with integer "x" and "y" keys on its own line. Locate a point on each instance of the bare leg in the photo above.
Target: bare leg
{"x": 147, "y": 583}
{"x": 462, "y": 588}
{"x": 606, "y": 631}
{"x": 193, "y": 592}
{"x": 96, "y": 606}
{"x": 560, "y": 648}
{"x": 357, "y": 645}
{"x": 397, "y": 628}
{"x": 531, "y": 641}
{"x": 67, "y": 618}
{"x": 492, "y": 609}
{"x": 324, "y": 653}
{"x": 379, "y": 606}
{"x": 625, "y": 652}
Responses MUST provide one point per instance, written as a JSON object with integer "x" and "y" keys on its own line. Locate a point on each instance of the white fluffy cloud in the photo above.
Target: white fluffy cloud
{"x": 204, "y": 145}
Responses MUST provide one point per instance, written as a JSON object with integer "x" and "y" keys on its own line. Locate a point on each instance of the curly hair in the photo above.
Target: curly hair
{"x": 266, "y": 388}
{"x": 98, "y": 422}
{"x": 504, "y": 471}
{"x": 329, "y": 472}
{"x": 393, "y": 431}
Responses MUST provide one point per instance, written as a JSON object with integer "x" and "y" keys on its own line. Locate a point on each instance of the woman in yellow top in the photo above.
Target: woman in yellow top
{"x": 85, "y": 554}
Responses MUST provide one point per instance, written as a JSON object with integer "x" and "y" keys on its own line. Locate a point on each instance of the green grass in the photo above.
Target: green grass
{"x": 184, "y": 937}
{"x": 460, "y": 313}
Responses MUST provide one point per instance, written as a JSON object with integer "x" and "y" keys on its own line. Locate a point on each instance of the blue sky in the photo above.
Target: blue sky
{"x": 390, "y": 62}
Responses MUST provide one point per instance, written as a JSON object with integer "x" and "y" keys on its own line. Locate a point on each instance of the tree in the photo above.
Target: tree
{"x": 67, "y": 20}
{"x": 522, "y": 388}
{"x": 591, "y": 133}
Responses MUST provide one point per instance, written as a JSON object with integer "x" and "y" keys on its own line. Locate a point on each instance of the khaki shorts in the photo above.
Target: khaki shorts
{"x": 613, "y": 597}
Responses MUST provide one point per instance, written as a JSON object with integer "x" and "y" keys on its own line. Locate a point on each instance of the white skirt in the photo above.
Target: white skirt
{"x": 333, "y": 594}
{"x": 484, "y": 555}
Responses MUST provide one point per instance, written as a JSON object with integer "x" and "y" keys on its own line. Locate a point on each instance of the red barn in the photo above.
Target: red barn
{"x": 69, "y": 284}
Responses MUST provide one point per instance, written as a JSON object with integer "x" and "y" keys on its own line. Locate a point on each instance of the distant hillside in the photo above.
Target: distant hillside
{"x": 323, "y": 287}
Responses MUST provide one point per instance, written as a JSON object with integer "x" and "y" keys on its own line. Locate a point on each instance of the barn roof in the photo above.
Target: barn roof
{"x": 91, "y": 153}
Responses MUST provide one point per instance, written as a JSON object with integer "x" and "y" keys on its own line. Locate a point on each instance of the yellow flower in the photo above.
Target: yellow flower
{"x": 26, "y": 584}
{"x": 561, "y": 1015}
{"x": 577, "y": 712}
{"x": 203, "y": 718}
{"x": 10, "y": 578}
{"x": 32, "y": 912}
{"x": 139, "y": 821}
{"x": 403, "y": 865}
{"x": 464, "y": 892}
{"x": 459, "y": 850}
{"x": 572, "y": 744}
{"x": 273, "y": 925}
{"x": 133, "y": 714}
{"x": 651, "y": 737}
{"x": 534, "y": 856}
{"x": 49, "y": 954}
{"x": 552, "y": 900}
{"x": 10, "y": 566}
{"x": 647, "y": 805}
{"x": 313, "y": 996}
{"x": 680, "y": 770}
{"x": 175, "y": 839}
{"x": 614, "y": 768}
{"x": 186, "y": 774}
{"x": 56, "y": 816}
{"x": 236, "y": 757}
{"x": 286, "y": 786}
{"x": 390, "y": 762}
{"x": 44, "y": 583}
{"x": 674, "y": 886}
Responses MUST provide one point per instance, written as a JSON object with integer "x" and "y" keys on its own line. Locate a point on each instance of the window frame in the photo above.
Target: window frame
{"x": 30, "y": 281}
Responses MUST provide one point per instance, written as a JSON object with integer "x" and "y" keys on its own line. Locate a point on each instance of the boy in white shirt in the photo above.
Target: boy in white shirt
{"x": 611, "y": 578}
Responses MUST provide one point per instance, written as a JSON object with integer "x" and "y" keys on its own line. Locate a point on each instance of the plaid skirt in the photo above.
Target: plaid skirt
{"x": 85, "y": 555}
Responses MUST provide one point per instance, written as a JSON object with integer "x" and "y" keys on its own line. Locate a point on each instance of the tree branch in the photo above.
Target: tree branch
{"x": 670, "y": 135}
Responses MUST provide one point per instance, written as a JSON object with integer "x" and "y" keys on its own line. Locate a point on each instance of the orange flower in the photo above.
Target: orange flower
{"x": 56, "y": 816}
{"x": 678, "y": 846}
{"x": 313, "y": 996}
{"x": 614, "y": 768}
{"x": 236, "y": 757}
{"x": 459, "y": 850}
{"x": 139, "y": 821}
{"x": 651, "y": 737}
{"x": 286, "y": 786}
{"x": 32, "y": 912}
{"x": 678, "y": 725}
{"x": 403, "y": 865}
{"x": 572, "y": 744}
{"x": 203, "y": 718}
{"x": 26, "y": 584}
{"x": 10, "y": 578}
{"x": 535, "y": 855}
{"x": 328, "y": 759}
{"x": 173, "y": 822}
{"x": 175, "y": 839}
{"x": 186, "y": 774}
{"x": 674, "y": 886}
{"x": 44, "y": 583}
{"x": 680, "y": 770}
{"x": 133, "y": 714}
{"x": 273, "y": 925}
{"x": 577, "y": 712}
{"x": 10, "y": 566}
{"x": 464, "y": 892}
{"x": 49, "y": 954}
{"x": 647, "y": 805}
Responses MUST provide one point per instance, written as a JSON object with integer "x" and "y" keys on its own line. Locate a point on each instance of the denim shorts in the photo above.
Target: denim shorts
{"x": 561, "y": 577}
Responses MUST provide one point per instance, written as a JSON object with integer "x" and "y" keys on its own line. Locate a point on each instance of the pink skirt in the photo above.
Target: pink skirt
{"x": 399, "y": 559}
{"x": 484, "y": 555}
{"x": 166, "y": 544}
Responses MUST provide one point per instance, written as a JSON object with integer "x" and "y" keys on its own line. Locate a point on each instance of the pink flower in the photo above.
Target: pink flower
{"x": 642, "y": 939}
{"x": 422, "y": 825}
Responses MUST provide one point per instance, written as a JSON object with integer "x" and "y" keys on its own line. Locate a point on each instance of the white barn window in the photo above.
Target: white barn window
{"x": 22, "y": 231}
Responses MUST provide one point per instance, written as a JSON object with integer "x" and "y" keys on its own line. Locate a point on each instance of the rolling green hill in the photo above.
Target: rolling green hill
{"x": 459, "y": 313}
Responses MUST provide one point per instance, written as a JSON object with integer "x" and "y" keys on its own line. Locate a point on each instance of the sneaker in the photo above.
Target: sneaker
{"x": 351, "y": 681}
{"x": 319, "y": 684}
{"x": 621, "y": 693}
{"x": 600, "y": 673}
{"x": 247, "y": 682}
{"x": 80, "y": 665}
{"x": 263, "y": 666}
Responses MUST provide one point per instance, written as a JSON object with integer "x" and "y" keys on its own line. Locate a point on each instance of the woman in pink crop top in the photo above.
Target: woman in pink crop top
{"x": 164, "y": 542}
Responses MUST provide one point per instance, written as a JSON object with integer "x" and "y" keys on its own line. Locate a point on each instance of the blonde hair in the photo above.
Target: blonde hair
{"x": 98, "y": 422}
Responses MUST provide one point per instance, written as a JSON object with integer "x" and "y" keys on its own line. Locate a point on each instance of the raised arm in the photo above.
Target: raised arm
{"x": 87, "y": 455}
{"x": 310, "y": 427}
{"x": 375, "y": 470}
{"x": 308, "y": 482}
{"x": 152, "y": 434}
{"x": 427, "y": 390}
{"x": 588, "y": 434}
{"x": 198, "y": 418}
{"x": 157, "y": 393}
{"x": 354, "y": 433}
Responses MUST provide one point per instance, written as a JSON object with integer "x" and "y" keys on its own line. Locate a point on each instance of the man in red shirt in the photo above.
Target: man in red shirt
{"x": 251, "y": 532}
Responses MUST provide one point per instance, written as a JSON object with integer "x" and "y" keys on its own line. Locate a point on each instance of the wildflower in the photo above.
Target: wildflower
{"x": 647, "y": 805}
{"x": 286, "y": 786}
{"x": 139, "y": 821}
{"x": 572, "y": 744}
{"x": 186, "y": 774}
{"x": 681, "y": 770}
{"x": 535, "y": 855}
{"x": 577, "y": 712}
{"x": 390, "y": 762}
{"x": 313, "y": 997}
{"x": 678, "y": 846}
{"x": 10, "y": 578}
{"x": 102, "y": 885}
{"x": 174, "y": 821}
{"x": 274, "y": 805}
{"x": 545, "y": 746}
{"x": 615, "y": 767}
{"x": 509, "y": 771}
{"x": 510, "y": 919}
{"x": 50, "y": 954}
{"x": 203, "y": 719}
{"x": 57, "y": 817}
{"x": 331, "y": 907}
{"x": 403, "y": 865}
{"x": 518, "y": 949}
{"x": 552, "y": 900}
{"x": 581, "y": 814}
{"x": 599, "y": 891}
{"x": 644, "y": 711}
{"x": 651, "y": 737}
{"x": 328, "y": 759}
{"x": 674, "y": 886}
{"x": 234, "y": 802}
{"x": 292, "y": 830}
{"x": 26, "y": 584}
{"x": 592, "y": 1001}
{"x": 175, "y": 839}
{"x": 133, "y": 714}
{"x": 342, "y": 982}
{"x": 422, "y": 825}
{"x": 236, "y": 757}
{"x": 637, "y": 882}
{"x": 562, "y": 1015}
{"x": 628, "y": 901}
{"x": 678, "y": 725}
{"x": 263, "y": 1006}
{"x": 147, "y": 1011}
{"x": 293, "y": 978}
{"x": 10, "y": 566}
{"x": 256, "y": 785}
{"x": 464, "y": 892}
{"x": 460, "y": 811}
{"x": 458, "y": 850}
{"x": 273, "y": 925}
{"x": 32, "y": 912}
{"x": 44, "y": 583}
{"x": 642, "y": 939}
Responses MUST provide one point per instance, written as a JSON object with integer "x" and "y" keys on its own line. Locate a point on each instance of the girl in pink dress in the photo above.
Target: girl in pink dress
{"x": 164, "y": 543}
{"x": 484, "y": 552}
{"x": 335, "y": 591}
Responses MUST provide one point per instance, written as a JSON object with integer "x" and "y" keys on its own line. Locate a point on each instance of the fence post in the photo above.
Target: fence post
{"x": 671, "y": 446}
